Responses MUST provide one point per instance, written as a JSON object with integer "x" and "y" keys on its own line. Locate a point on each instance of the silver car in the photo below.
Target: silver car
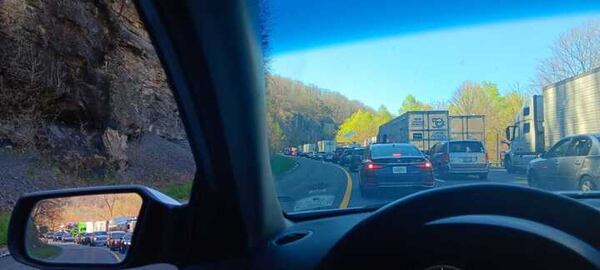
{"x": 464, "y": 157}
{"x": 573, "y": 163}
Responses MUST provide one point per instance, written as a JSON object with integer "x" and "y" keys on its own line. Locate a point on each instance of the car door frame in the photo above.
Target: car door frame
{"x": 551, "y": 163}
{"x": 574, "y": 165}
{"x": 211, "y": 54}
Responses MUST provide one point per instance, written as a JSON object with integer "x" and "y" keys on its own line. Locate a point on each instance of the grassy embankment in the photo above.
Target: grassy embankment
{"x": 4, "y": 218}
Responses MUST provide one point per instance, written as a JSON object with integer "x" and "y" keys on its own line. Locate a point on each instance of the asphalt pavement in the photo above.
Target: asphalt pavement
{"x": 314, "y": 184}
{"x": 73, "y": 253}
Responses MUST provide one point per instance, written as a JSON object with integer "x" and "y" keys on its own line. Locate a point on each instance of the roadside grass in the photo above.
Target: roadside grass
{"x": 281, "y": 164}
{"x": 44, "y": 251}
{"x": 4, "y": 218}
{"x": 180, "y": 191}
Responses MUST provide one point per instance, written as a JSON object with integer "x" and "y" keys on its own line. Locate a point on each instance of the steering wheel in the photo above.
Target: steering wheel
{"x": 479, "y": 226}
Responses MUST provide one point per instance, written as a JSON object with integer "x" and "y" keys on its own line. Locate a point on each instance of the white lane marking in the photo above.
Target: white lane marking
{"x": 314, "y": 202}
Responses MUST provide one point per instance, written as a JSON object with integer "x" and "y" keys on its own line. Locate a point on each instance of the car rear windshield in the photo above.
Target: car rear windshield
{"x": 466, "y": 147}
{"x": 394, "y": 151}
{"x": 100, "y": 233}
{"x": 117, "y": 235}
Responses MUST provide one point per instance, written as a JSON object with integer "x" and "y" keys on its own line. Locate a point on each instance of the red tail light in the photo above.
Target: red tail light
{"x": 424, "y": 165}
{"x": 486, "y": 157}
{"x": 372, "y": 166}
{"x": 446, "y": 158}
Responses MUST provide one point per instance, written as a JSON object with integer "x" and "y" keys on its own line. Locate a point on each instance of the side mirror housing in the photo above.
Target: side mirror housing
{"x": 59, "y": 229}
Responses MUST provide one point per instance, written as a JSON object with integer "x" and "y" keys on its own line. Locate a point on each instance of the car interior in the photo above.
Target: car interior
{"x": 211, "y": 52}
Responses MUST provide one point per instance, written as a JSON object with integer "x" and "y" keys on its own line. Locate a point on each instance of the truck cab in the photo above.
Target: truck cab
{"x": 525, "y": 137}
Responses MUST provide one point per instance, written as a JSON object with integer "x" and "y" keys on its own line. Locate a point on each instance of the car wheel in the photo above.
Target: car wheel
{"x": 533, "y": 180}
{"x": 483, "y": 176}
{"x": 508, "y": 166}
{"x": 587, "y": 184}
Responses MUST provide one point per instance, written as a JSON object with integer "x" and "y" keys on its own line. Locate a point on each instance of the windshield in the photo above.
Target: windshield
{"x": 466, "y": 147}
{"x": 478, "y": 91}
{"x": 394, "y": 150}
{"x": 116, "y": 235}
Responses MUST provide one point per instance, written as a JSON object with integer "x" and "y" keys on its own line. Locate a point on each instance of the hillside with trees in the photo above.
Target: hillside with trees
{"x": 298, "y": 113}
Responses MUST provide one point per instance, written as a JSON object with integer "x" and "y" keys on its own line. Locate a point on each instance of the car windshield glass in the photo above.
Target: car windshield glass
{"x": 116, "y": 235}
{"x": 466, "y": 147}
{"x": 495, "y": 85}
{"x": 359, "y": 152}
{"x": 394, "y": 151}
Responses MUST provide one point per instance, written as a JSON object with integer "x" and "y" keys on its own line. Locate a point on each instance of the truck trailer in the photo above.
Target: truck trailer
{"x": 421, "y": 128}
{"x": 326, "y": 146}
{"x": 426, "y": 128}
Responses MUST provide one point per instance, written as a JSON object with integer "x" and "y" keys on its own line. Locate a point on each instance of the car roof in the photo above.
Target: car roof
{"x": 463, "y": 141}
{"x": 390, "y": 144}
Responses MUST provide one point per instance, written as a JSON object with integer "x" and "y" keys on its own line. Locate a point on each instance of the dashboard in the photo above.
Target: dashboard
{"x": 305, "y": 244}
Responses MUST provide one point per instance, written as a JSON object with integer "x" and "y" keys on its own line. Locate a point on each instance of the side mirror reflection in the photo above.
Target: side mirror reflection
{"x": 83, "y": 229}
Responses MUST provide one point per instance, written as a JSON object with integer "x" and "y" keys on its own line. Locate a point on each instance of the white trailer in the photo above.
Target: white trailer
{"x": 326, "y": 146}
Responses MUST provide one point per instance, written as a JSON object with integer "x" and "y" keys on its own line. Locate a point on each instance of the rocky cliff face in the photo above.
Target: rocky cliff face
{"x": 79, "y": 79}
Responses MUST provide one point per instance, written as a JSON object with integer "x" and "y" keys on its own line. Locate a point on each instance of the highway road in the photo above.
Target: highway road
{"x": 314, "y": 184}
{"x": 73, "y": 253}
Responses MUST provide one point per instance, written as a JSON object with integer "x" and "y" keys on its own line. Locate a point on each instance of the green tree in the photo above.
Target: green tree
{"x": 362, "y": 125}
{"x": 485, "y": 99}
{"x": 410, "y": 103}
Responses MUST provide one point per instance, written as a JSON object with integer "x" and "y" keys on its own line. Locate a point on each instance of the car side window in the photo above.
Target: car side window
{"x": 559, "y": 149}
{"x": 579, "y": 146}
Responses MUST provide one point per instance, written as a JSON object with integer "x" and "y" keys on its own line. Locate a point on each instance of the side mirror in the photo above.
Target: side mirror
{"x": 87, "y": 227}
{"x": 508, "y": 132}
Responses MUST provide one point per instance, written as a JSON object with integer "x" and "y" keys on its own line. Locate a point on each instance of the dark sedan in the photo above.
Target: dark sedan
{"x": 395, "y": 165}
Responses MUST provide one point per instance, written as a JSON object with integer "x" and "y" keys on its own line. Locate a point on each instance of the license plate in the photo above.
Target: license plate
{"x": 400, "y": 169}
{"x": 467, "y": 160}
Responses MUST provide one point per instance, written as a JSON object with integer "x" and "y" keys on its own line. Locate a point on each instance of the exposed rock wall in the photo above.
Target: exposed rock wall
{"x": 74, "y": 70}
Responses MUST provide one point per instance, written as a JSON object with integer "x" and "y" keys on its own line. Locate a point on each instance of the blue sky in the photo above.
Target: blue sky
{"x": 429, "y": 64}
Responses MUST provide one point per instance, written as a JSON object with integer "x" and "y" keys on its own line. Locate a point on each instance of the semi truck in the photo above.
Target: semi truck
{"x": 426, "y": 128}
{"x": 309, "y": 147}
{"x": 568, "y": 107}
{"x": 326, "y": 146}
{"x": 525, "y": 137}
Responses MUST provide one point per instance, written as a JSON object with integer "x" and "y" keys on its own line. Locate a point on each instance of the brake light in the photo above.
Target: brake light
{"x": 424, "y": 165}
{"x": 372, "y": 166}
{"x": 486, "y": 157}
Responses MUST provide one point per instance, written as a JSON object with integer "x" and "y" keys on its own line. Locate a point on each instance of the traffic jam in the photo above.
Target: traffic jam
{"x": 409, "y": 152}
{"x": 551, "y": 150}
{"x": 114, "y": 234}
